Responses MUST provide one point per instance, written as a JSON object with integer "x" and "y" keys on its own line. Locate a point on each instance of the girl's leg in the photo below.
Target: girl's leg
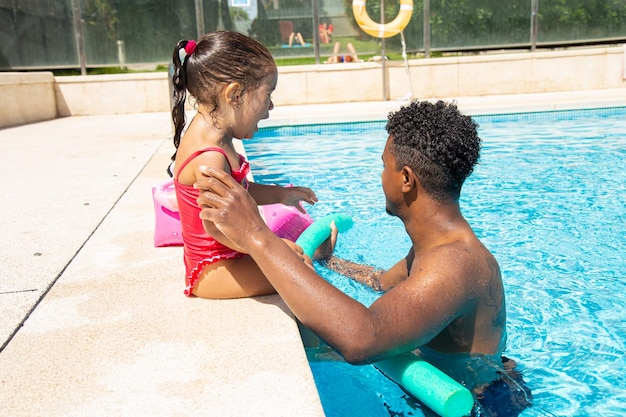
{"x": 232, "y": 278}
{"x": 242, "y": 277}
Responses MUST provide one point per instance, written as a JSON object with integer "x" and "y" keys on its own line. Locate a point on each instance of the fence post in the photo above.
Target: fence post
{"x": 78, "y": 35}
{"x": 426, "y": 29}
{"x": 382, "y": 52}
{"x": 534, "y": 8}
{"x": 316, "y": 30}
{"x": 199, "y": 19}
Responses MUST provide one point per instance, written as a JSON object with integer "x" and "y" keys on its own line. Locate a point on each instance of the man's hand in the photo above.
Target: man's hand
{"x": 230, "y": 208}
{"x": 325, "y": 250}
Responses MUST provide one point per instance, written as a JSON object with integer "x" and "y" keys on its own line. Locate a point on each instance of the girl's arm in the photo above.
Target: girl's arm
{"x": 290, "y": 196}
{"x": 191, "y": 173}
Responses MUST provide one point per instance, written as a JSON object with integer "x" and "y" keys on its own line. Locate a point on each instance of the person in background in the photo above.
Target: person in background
{"x": 337, "y": 58}
{"x": 444, "y": 300}
{"x": 231, "y": 77}
{"x": 326, "y": 32}
{"x": 296, "y": 36}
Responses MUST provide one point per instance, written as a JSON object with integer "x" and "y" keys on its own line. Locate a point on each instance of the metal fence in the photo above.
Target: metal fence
{"x": 55, "y": 34}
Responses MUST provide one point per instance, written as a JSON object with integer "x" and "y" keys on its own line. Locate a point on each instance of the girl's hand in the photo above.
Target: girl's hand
{"x": 293, "y": 195}
{"x": 298, "y": 251}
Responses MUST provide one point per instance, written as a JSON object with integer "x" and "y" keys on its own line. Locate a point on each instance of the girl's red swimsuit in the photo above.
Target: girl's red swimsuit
{"x": 200, "y": 248}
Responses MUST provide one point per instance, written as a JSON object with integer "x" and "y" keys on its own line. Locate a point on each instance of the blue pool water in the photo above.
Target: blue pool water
{"x": 547, "y": 198}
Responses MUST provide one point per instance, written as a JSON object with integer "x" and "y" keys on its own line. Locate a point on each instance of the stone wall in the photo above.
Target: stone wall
{"x": 29, "y": 97}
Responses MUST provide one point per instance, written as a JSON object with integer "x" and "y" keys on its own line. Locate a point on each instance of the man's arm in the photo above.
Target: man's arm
{"x": 364, "y": 274}
{"x": 377, "y": 279}
{"x": 407, "y": 316}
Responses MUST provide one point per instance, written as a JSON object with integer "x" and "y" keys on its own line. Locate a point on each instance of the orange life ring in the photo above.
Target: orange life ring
{"x": 387, "y": 30}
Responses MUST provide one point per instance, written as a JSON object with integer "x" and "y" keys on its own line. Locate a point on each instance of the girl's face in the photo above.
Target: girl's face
{"x": 255, "y": 107}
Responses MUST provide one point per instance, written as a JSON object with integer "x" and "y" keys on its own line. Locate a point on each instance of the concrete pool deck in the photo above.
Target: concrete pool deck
{"x": 93, "y": 317}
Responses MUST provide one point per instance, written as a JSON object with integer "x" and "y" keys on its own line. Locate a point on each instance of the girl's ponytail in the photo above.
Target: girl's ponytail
{"x": 183, "y": 49}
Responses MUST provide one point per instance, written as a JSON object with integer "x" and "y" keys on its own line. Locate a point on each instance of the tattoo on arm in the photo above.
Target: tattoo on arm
{"x": 364, "y": 274}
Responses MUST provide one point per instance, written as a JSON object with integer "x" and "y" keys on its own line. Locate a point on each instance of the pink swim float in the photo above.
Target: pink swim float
{"x": 167, "y": 229}
{"x": 286, "y": 221}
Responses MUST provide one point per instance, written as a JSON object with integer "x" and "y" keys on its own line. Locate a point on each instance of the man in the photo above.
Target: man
{"x": 445, "y": 299}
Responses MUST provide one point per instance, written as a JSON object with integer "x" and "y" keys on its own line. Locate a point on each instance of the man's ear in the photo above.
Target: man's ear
{"x": 409, "y": 180}
{"x": 411, "y": 185}
{"x": 232, "y": 94}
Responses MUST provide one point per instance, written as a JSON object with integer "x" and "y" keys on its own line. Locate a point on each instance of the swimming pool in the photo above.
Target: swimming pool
{"x": 547, "y": 198}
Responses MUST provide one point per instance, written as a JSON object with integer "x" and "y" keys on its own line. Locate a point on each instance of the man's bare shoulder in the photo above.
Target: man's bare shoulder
{"x": 459, "y": 262}
{"x": 459, "y": 285}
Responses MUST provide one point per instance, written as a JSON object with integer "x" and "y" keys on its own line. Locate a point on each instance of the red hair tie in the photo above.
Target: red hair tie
{"x": 187, "y": 50}
{"x": 190, "y": 47}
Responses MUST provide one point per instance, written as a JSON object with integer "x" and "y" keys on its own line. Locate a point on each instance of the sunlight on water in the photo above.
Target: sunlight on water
{"x": 547, "y": 198}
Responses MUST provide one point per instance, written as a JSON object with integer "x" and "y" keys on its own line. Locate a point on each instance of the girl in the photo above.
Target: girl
{"x": 231, "y": 77}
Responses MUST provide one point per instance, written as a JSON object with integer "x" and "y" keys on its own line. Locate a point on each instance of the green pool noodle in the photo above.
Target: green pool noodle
{"x": 428, "y": 384}
{"x": 319, "y": 231}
